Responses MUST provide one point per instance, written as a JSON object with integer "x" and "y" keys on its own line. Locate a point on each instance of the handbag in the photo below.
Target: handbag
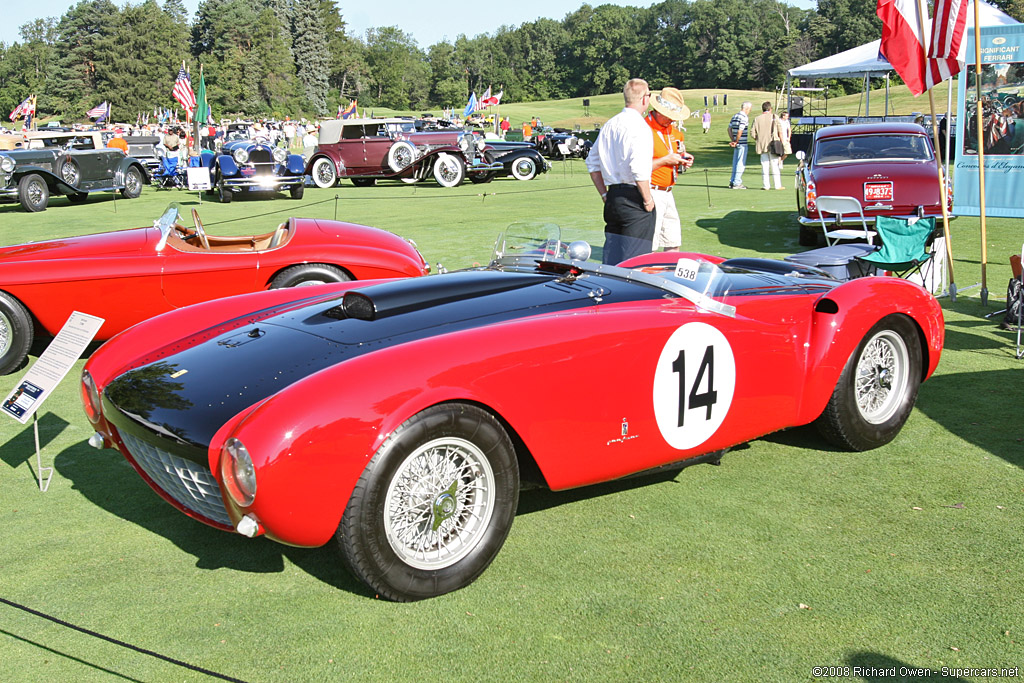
{"x": 776, "y": 147}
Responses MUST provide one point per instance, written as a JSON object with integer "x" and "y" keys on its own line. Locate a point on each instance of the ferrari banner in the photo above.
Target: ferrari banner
{"x": 1002, "y": 115}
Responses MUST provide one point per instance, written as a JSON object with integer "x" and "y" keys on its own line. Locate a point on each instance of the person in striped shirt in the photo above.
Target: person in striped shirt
{"x": 738, "y": 141}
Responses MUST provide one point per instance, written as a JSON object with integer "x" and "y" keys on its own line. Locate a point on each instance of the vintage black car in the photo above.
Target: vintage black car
{"x": 144, "y": 148}
{"x": 69, "y": 163}
{"x": 255, "y": 166}
{"x": 559, "y": 143}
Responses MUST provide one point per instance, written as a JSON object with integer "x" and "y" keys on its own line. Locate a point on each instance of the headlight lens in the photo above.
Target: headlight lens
{"x": 464, "y": 143}
{"x": 90, "y": 398}
{"x": 6, "y": 164}
{"x": 237, "y": 472}
{"x": 280, "y": 155}
{"x": 240, "y": 156}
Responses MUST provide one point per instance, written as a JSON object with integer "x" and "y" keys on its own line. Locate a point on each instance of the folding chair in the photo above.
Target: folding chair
{"x": 904, "y": 245}
{"x": 840, "y": 206}
{"x": 1020, "y": 298}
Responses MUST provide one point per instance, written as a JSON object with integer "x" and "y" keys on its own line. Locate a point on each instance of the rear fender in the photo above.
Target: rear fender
{"x": 842, "y": 318}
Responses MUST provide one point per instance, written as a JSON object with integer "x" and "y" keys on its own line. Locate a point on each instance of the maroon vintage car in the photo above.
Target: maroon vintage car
{"x": 888, "y": 167}
{"x": 366, "y": 150}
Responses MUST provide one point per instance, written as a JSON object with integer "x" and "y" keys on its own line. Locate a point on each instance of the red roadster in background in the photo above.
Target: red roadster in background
{"x": 398, "y": 418}
{"x": 131, "y": 275}
{"x": 890, "y": 168}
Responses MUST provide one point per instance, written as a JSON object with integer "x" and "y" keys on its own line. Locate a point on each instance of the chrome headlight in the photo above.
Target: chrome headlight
{"x": 280, "y": 155}
{"x": 90, "y": 395}
{"x": 464, "y": 143}
{"x": 7, "y": 164}
{"x": 240, "y": 156}
{"x": 237, "y": 472}
{"x": 481, "y": 144}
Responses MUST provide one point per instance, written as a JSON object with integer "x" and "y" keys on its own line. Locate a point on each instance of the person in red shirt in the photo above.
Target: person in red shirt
{"x": 505, "y": 126}
{"x": 670, "y": 158}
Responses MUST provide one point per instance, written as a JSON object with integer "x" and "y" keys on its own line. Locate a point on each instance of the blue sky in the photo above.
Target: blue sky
{"x": 427, "y": 22}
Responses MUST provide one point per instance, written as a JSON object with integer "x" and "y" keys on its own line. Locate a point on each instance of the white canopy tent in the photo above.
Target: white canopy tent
{"x": 864, "y": 61}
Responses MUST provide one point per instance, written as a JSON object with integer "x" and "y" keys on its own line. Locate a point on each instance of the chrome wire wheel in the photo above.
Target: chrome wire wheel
{"x": 69, "y": 172}
{"x": 439, "y": 503}
{"x": 132, "y": 184}
{"x": 36, "y": 192}
{"x": 403, "y": 156}
{"x": 5, "y": 334}
{"x": 882, "y": 376}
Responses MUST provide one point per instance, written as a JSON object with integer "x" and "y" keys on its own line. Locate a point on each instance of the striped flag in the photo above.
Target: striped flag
{"x": 22, "y": 109}
{"x": 902, "y": 42}
{"x": 100, "y": 110}
{"x": 350, "y": 111}
{"x": 183, "y": 91}
{"x": 949, "y": 21}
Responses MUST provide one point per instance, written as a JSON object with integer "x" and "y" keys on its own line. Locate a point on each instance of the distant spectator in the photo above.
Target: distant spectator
{"x": 505, "y": 126}
{"x": 118, "y": 143}
{"x": 527, "y": 131}
{"x": 705, "y": 120}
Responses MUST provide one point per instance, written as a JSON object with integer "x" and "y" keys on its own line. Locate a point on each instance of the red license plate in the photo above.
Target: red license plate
{"x": 878, "y": 192}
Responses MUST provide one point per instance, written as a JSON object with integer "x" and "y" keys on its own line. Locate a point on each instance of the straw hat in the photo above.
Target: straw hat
{"x": 669, "y": 102}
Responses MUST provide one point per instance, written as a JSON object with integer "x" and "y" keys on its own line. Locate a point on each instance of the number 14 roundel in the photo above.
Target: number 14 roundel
{"x": 693, "y": 385}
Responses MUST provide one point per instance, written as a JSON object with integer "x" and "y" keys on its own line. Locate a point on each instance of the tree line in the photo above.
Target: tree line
{"x": 277, "y": 57}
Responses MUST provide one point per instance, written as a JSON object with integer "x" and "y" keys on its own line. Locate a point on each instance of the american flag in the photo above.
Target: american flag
{"x": 949, "y": 21}
{"x": 183, "y": 91}
{"x": 22, "y": 109}
{"x": 98, "y": 110}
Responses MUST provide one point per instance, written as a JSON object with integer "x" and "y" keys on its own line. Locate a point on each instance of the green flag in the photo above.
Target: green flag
{"x": 202, "y": 109}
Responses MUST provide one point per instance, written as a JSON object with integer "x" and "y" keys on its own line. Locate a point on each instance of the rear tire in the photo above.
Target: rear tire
{"x": 297, "y": 192}
{"x": 808, "y": 236}
{"x": 224, "y": 194}
{"x": 308, "y": 274}
{"x": 323, "y": 172}
{"x": 78, "y": 197}
{"x": 16, "y": 333}
{"x": 132, "y": 184}
{"x": 433, "y": 506}
{"x": 364, "y": 182}
{"x": 877, "y": 389}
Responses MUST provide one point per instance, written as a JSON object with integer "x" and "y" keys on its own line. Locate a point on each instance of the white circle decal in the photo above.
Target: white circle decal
{"x": 693, "y": 385}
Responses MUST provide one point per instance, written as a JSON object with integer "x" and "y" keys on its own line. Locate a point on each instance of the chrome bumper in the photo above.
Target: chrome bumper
{"x": 262, "y": 182}
{"x": 855, "y": 222}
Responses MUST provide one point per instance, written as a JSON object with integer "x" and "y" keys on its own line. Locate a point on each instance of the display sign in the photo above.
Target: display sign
{"x": 1002, "y": 116}
{"x": 198, "y": 178}
{"x": 52, "y": 366}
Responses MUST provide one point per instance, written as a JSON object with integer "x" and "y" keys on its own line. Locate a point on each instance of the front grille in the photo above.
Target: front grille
{"x": 187, "y": 482}
{"x": 261, "y": 156}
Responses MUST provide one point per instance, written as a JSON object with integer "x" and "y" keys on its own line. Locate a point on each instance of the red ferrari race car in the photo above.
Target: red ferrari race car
{"x": 419, "y": 405}
{"x": 131, "y": 275}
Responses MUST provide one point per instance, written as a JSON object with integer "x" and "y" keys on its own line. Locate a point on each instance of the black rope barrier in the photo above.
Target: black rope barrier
{"x": 121, "y": 643}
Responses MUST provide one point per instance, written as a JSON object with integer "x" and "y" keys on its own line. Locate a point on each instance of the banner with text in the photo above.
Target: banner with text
{"x": 1002, "y": 115}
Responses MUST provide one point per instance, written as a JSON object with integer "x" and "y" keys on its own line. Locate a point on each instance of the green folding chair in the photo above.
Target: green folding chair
{"x": 905, "y": 245}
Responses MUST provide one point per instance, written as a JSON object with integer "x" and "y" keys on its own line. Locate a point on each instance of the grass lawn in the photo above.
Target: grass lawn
{"x": 788, "y": 556}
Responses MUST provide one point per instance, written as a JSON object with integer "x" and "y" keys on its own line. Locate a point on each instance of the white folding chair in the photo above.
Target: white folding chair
{"x": 841, "y": 206}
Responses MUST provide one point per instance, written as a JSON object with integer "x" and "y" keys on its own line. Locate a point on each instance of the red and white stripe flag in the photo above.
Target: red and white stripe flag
{"x": 902, "y": 45}
{"x": 949, "y": 21}
{"x": 183, "y": 91}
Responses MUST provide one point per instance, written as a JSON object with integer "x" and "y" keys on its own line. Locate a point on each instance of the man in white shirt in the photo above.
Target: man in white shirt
{"x": 620, "y": 166}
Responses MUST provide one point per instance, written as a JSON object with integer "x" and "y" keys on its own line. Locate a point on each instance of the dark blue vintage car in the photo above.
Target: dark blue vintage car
{"x": 257, "y": 166}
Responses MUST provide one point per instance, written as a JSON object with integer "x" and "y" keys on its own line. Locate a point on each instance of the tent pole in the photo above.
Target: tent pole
{"x": 978, "y": 114}
{"x": 867, "y": 91}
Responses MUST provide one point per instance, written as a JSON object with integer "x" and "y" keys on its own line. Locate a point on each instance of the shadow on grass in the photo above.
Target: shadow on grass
{"x": 21, "y": 447}
{"x": 872, "y": 666}
{"x": 107, "y": 480}
{"x": 976, "y": 407}
{"x": 750, "y": 229}
{"x": 65, "y": 655}
{"x": 963, "y": 335}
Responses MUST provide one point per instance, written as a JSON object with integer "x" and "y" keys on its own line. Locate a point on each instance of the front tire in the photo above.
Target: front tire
{"x": 308, "y": 274}
{"x": 449, "y": 170}
{"x": 224, "y": 194}
{"x": 297, "y": 191}
{"x": 877, "y": 388}
{"x": 434, "y": 505}
{"x": 323, "y": 172}
{"x": 16, "y": 333}
{"x": 33, "y": 193}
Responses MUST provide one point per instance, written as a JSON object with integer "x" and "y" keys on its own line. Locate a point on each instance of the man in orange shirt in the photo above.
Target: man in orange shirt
{"x": 667, "y": 107}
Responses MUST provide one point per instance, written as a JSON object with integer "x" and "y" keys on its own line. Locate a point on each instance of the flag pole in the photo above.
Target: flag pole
{"x": 981, "y": 155}
{"x": 938, "y": 165}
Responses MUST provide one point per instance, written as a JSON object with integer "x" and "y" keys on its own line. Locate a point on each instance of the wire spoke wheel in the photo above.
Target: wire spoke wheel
{"x": 6, "y": 337}
{"x": 439, "y": 503}
{"x": 881, "y": 378}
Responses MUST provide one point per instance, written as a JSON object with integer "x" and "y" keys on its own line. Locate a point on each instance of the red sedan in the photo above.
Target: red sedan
{"x": 889, "y": 167}
{"x": 128, "y": 276}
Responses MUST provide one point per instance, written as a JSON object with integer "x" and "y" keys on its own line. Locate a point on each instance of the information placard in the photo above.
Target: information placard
{"x": 52, "y": 366}
{"x": 198, "y": 177}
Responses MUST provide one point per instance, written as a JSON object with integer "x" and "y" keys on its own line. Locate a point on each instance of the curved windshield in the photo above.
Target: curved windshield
{"x": 165, "y": 224}
{"x": 857, "y": 148}
{"x": 528, "y": 241}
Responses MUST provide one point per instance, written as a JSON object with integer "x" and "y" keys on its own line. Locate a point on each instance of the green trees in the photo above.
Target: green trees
{"x": 277, "y": 57}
